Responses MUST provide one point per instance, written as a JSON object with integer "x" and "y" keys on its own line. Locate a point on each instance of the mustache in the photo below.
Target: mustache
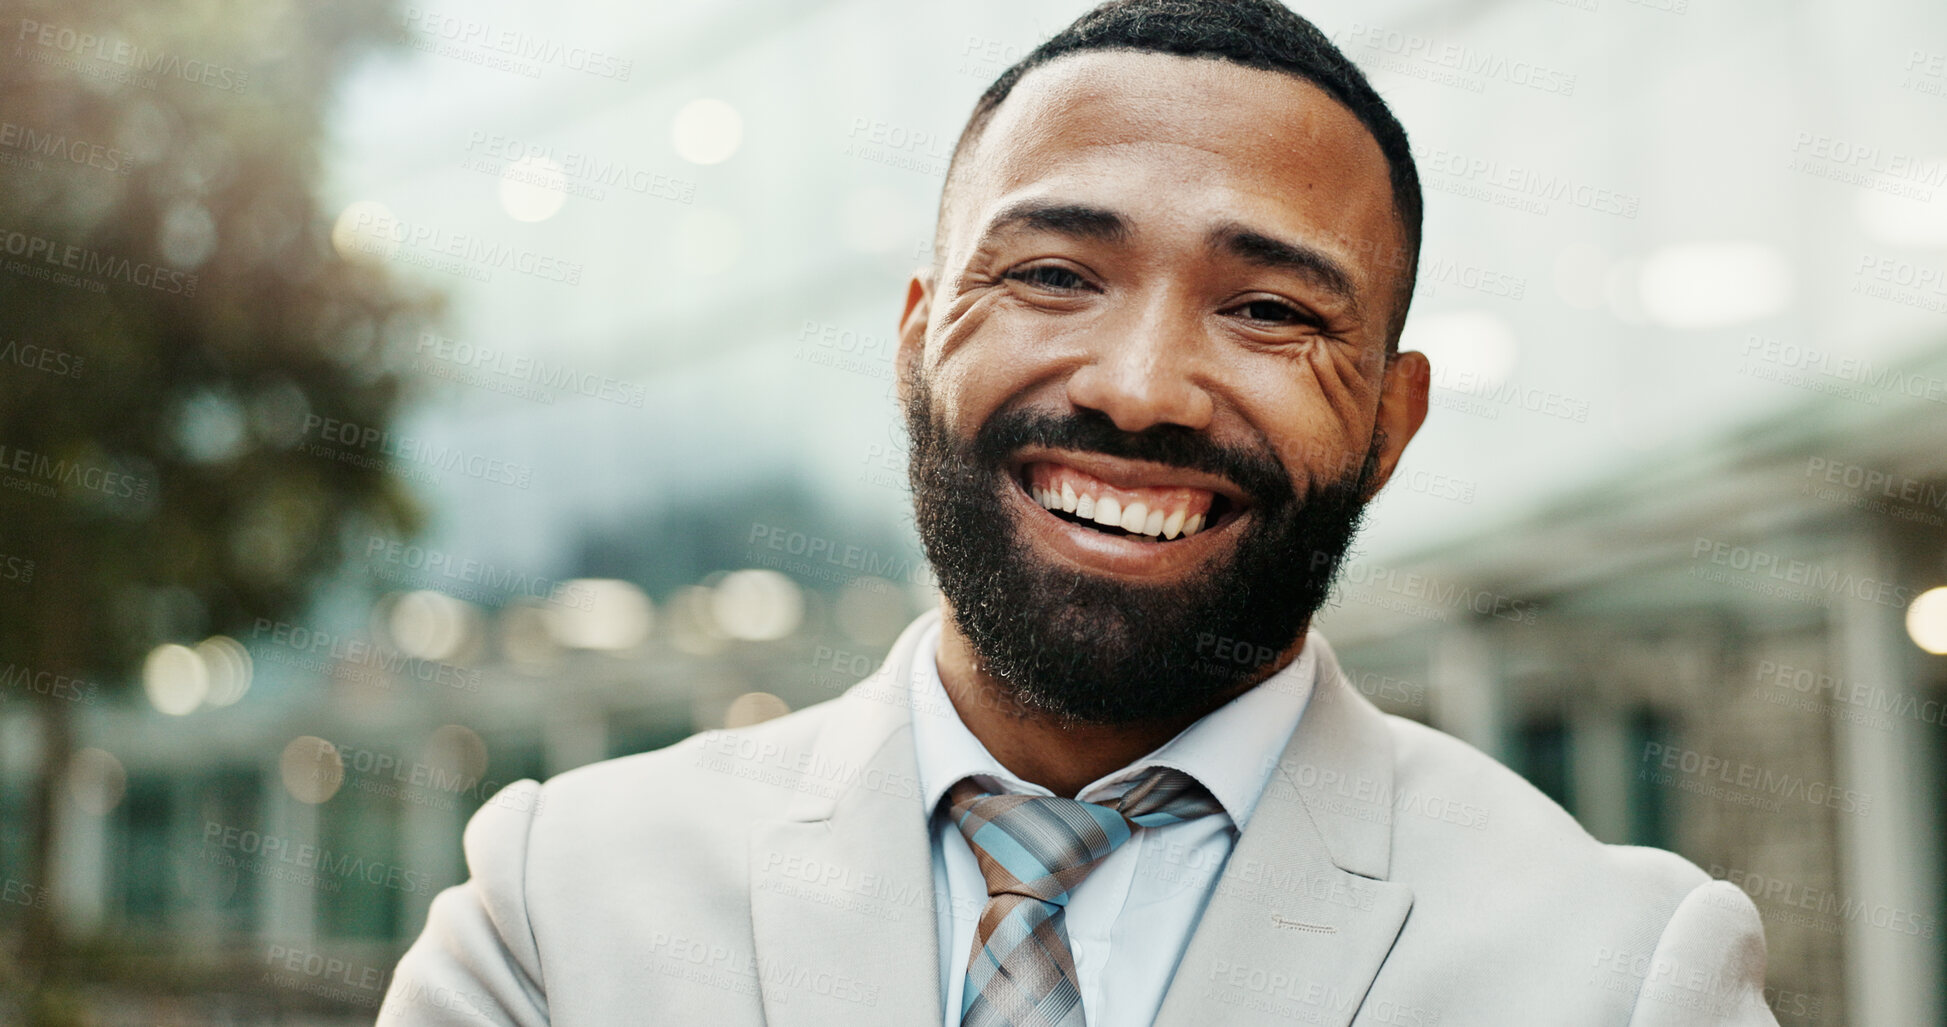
{"x": 1258, "y": 473}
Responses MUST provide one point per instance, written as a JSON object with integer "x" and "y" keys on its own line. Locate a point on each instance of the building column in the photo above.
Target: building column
{"x": 1600, "y": 765}
{"x": 429, "y": 845}
{"x": 197, "y": 884}
{"x": 1467, "y": 699}
{"x": 1890, "y": 859}
{"x": 80, "y": 874}
{"x": 287, "y": 909}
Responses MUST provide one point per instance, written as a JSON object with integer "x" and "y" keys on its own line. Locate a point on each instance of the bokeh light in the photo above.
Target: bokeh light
{"x": 524, "y": 634}
{"x": 312, "y": 769}
{"x": 96, "y": 781}
{"x": 458, "y": 752}
{"x": 430, "y": 625}
{"x": 757, "y": 605}
{"x": 1709, "y": 285}
{"x": 175, "y": 679}
{"x": 533, "y": 188}
{"x": 706, "y": 131}
{"x": 362, "y": 234}
{"x": 227, "y": 668}
{"x": 754, "y": 708}
{"x": 601, "y": 614}
{"x": 693, "y": 622}
{"x": 1926, "y": 620}
{"x": 1904, "y": 220}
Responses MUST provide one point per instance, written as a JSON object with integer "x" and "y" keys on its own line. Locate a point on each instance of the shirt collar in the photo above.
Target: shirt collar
{"x": 1230, "y": 750}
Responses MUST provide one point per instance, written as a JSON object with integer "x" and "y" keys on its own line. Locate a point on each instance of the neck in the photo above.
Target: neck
{"x": 1057, "y": 753}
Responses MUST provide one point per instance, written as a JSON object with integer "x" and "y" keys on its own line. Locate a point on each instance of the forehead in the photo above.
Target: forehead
{"x": 1187, "y": 140}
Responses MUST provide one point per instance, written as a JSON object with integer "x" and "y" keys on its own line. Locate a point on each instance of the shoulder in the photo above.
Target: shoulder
{"x": 659, "y": 828}
{"x": 573, "y": 880}
{"x": 1498, "y": 819}
{"x": 1513, "y": 879}
{"x": 708, "y": 778}
{"x": 690, "y": 802}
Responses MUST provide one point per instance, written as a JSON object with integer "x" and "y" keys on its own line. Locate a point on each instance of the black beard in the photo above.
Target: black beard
{"x": 1094, "y": 650}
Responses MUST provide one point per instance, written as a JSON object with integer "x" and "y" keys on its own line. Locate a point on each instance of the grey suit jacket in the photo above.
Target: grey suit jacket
{"x": 780, "y": 875}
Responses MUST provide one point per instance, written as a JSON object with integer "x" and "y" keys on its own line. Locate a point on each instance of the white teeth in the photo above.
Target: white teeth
{"x": 1137, "y": 517}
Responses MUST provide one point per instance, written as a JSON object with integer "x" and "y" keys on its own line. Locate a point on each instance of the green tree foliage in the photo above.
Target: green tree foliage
{"x": 171, "y": 312}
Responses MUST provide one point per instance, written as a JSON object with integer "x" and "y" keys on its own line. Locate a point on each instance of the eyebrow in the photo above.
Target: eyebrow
{"x": 1308, "y": 262}
{"x": 1077, "y": 220}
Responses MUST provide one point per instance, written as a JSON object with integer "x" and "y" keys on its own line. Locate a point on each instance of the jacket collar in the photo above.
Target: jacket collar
{"x": 843, "y": 882}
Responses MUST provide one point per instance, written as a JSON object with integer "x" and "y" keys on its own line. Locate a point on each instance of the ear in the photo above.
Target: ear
{"x": 1402, "y": 409}
{"x": 912, "y": 331}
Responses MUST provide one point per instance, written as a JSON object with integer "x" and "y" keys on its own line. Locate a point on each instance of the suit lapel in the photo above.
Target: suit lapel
{"x": 1302, "y": 917}
{"x": 1297, "y": 927}
{"x": 841, "y": 899}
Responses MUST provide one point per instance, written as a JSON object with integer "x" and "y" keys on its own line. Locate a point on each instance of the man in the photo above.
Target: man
{"x": 1151, "y": 380}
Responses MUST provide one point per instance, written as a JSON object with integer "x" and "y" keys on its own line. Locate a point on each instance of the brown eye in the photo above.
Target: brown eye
{"x": 1271, "y": 310}
{"x": 1048, "y": 276}
{"x": 1265, "y": 312}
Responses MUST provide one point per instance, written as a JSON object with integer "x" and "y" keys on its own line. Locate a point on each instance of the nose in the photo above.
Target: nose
{"x": 1147, "y": 371}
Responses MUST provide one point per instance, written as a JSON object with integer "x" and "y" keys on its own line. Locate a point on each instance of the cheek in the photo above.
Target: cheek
{"x": 991, "y": 357}
{"x": 954, "y": 365}
{"x": 958, "y": 396}
{"x": 1308, "y": 407}
{"x": 1344, "y": 388}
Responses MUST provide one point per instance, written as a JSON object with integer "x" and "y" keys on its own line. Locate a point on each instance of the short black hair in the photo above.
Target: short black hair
{"x": 1261, "y": 34}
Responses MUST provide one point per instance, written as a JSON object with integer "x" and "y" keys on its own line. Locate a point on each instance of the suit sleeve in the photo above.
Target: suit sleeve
{"x": 1708, "y": 968}
{"x": 476, "y": 962}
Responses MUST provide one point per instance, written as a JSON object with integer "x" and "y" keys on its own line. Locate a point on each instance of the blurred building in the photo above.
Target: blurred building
{"x": 1711, "y": 653}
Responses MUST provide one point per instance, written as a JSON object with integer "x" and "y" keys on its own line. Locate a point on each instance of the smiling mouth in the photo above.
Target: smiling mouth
{"x": 1156, "y": 510}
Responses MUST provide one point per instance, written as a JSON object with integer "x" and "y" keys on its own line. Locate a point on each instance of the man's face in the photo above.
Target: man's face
{"x": 1148, "y": 391}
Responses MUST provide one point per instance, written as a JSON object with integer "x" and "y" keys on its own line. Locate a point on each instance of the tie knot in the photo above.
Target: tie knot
{"x": 1042, "y": 846}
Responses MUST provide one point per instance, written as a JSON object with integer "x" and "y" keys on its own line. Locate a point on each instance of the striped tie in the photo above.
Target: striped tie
{"x": 1034, "y": 850}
